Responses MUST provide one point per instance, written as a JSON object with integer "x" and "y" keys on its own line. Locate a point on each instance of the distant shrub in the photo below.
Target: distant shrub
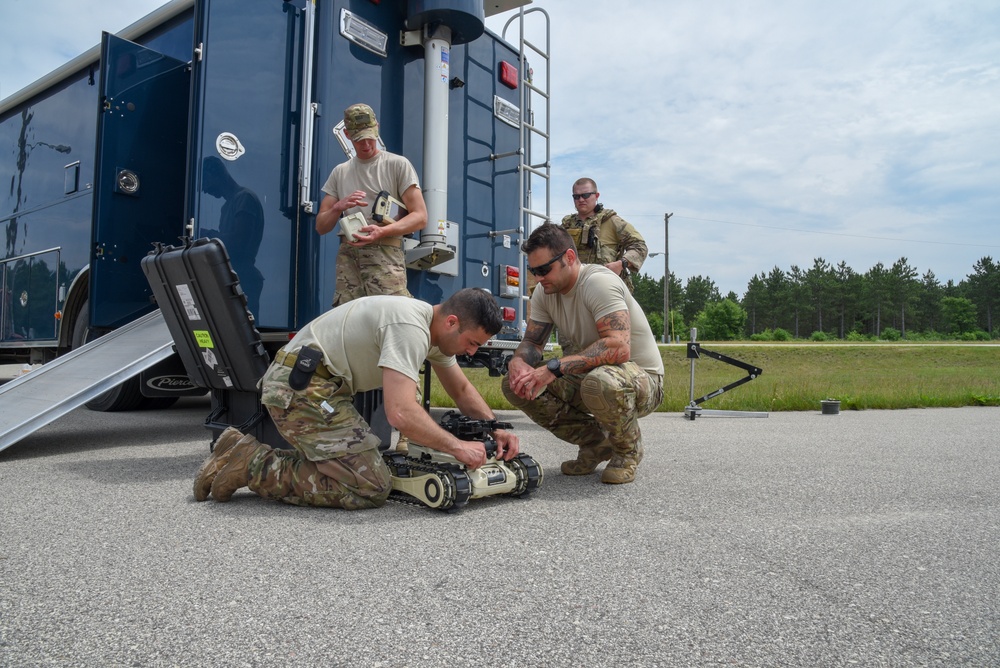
{"x": 855, "y": 336}
{"x": 890, "y": 334}
{"x": 721, "y": 321}
{"x": 655, "y": 321}
{"x": 769, "y": 334}
{"x": 820, "y": 336}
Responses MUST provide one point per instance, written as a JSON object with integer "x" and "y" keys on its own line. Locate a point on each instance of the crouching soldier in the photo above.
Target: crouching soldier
{"x": 595, "y": 397}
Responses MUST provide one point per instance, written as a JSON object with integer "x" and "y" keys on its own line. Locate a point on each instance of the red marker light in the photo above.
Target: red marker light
{"x": 508, "y": 74}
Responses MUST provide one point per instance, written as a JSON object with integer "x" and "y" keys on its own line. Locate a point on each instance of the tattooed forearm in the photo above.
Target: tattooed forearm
{"x": 597, "y": 354}
{"x": 578, "y": 366}
{"x": 535, "y": 336}
{"x": 538, "y": 333}
{"x": 614, "y": 346}
{"x": 532, "y": 356}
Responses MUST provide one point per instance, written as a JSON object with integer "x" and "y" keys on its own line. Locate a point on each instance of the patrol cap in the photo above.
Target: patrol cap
{"x": 360, "y": 122}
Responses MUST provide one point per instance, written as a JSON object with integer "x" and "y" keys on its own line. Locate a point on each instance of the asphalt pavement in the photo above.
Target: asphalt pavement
{"x": 801, "y": 539}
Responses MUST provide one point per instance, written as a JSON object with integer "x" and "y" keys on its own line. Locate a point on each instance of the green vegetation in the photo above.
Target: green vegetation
{"x": 832, "y": 301}
{"x": 886, "y": 338}
{"x": 797, "y": 376}
{"x": 721, "y": 321}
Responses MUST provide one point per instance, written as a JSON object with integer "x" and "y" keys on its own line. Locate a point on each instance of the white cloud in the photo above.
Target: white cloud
{"x": 864, "y": 119}
{"x": 860, "y": 119}
{"x": 36, "y": 38}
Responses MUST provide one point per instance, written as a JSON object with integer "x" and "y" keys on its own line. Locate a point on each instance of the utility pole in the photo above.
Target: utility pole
{"x": 666, "y": 277}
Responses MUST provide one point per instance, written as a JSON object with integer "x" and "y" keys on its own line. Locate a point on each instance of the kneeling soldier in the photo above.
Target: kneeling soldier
{"x": 365, "y": 344}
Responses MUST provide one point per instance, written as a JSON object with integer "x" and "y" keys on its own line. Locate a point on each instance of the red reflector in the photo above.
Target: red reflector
{"x": 509, "y": 314}
{"x": 513, "y": 271}
{"x": 508, "y": 74}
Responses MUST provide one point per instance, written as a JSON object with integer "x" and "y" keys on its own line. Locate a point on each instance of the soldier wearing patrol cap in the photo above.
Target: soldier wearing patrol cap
{"x": 370, "y": 260}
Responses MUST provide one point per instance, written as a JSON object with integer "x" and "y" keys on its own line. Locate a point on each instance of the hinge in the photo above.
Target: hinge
{"x": 199, "y": 51}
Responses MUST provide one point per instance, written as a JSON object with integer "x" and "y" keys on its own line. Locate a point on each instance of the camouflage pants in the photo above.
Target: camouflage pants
{"x": 372, "y": 270}
{"x": 336, "y": 462}
{"x": 605, "y": 403}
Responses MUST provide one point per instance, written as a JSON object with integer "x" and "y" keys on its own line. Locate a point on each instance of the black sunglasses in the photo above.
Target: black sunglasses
{"x": 582, "y": 195}
{"x": 543, "y": 269}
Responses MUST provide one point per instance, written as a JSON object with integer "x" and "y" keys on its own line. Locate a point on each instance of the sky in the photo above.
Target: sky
{"x": 776, "y": 132}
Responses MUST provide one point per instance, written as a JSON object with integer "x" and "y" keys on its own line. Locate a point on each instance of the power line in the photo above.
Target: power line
{"x": 832, "y": 234}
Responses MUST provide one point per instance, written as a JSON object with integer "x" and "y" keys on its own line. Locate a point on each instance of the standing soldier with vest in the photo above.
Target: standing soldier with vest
{"x": 602, "y": 236}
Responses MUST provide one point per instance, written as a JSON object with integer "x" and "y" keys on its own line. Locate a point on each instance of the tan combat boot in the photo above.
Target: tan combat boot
{"x": 214, "y": 462}
{"x": 621, "y": 468}
{"x": 236, "y": 472}
{"x": 587, "y": 460}
{"x": 403, "y": 445}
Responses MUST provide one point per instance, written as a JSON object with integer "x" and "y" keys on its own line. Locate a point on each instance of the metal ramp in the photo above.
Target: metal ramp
{"x": 33, "y": 400}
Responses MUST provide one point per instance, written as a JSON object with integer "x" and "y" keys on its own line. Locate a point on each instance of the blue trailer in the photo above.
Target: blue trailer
{"x": 119, "y": 149}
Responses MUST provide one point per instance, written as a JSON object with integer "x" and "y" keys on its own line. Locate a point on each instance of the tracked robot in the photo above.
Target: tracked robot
{"x": 428, "y": 477}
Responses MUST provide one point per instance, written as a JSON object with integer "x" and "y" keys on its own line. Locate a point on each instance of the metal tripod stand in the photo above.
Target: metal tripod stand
{"x": 693, "y": 410}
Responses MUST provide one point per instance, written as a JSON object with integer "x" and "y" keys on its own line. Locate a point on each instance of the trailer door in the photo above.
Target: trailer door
{"x": 244, "y": 151}
{"x": 139, "y": 181}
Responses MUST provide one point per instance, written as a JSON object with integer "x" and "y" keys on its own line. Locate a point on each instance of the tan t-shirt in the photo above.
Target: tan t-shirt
{"x": 597, "y": 293}
{"x": 386, "y": 171}
{"x": 363, "y": 336}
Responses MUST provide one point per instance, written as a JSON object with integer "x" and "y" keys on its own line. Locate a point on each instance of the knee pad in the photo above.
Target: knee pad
{"x": 602, "y": 392}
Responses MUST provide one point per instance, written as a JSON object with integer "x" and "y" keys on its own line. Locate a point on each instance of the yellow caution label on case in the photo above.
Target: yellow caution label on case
{"x": 203, "y": 338}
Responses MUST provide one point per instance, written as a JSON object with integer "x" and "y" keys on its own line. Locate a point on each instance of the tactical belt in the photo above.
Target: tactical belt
{"x": 289, "y": 360}
{"x": 395, "y": 242}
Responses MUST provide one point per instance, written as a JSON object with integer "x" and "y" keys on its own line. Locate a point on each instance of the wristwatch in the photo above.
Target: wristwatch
{"x": 553, "y": 366}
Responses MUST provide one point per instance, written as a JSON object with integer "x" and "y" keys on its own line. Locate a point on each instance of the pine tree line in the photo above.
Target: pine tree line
{"x": 831, "y": 301}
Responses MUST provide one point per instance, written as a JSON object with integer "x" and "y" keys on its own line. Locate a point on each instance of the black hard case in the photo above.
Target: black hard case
{"x": 206, "y": 313}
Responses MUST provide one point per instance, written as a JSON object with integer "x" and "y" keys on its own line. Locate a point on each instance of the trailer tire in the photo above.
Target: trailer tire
{"x": 156, "y": 403}
{"x": 123, "y": 397}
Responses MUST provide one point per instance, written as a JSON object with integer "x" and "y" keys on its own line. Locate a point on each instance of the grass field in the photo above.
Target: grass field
{"x": 796, "y": 377}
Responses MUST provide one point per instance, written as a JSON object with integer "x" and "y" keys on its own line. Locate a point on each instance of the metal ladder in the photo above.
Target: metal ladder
{"x": 535, "y": 136}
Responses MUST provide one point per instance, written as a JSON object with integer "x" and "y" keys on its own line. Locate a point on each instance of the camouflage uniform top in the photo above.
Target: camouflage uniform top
{"x": 606, "y": 237}
{"x": 597, "y": 293}
{"x": 367, "y": 334}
